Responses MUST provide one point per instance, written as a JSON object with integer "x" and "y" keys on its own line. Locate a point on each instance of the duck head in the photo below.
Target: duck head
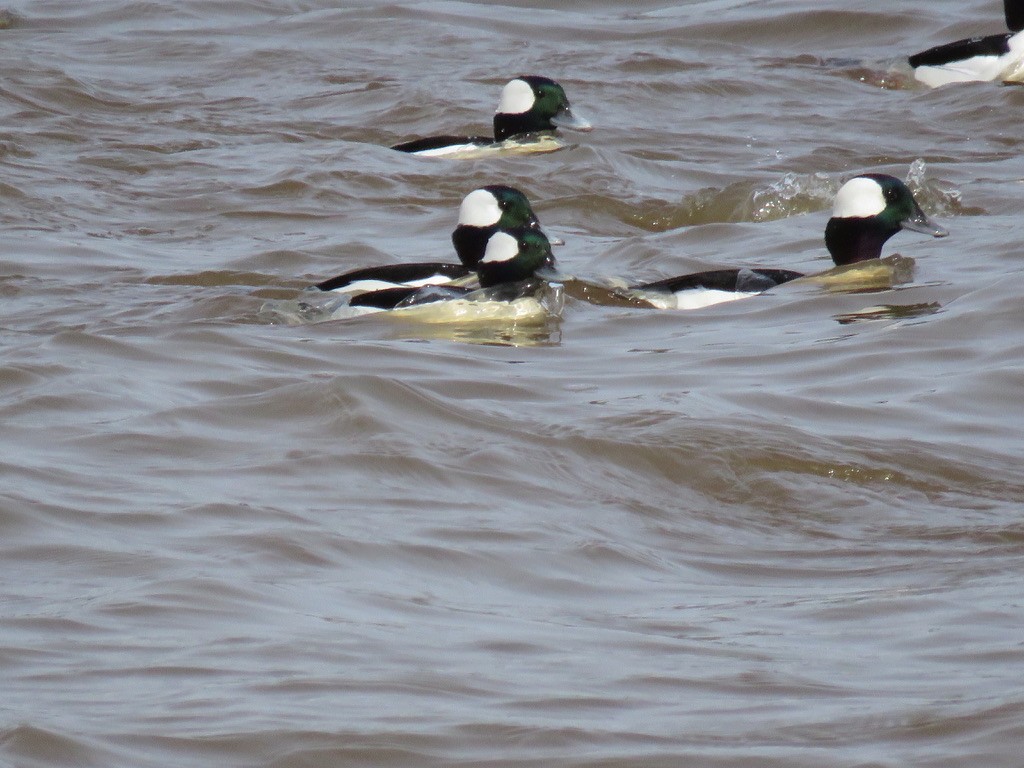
{"x": 868, "y": 210}
{"x": 483, "y": 212}
{"x": 514, "y": 255}
{"x": 530, "y": 104}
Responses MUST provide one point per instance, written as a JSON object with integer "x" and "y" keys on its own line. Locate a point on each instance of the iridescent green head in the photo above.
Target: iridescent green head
{"x": 514, "y": 255}
{"x": 483, "y": 212}
{"x": 530, "y": 104}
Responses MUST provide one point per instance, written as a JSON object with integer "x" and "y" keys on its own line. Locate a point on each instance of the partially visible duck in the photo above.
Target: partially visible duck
{"x": 529, "y": 106}
{"x": 482, "y": 213}
{"x": 868, "y": 210}
{"x": 510, "y": 262}
{"x": 702, "y": 289}
{"x": 991, "y": 57}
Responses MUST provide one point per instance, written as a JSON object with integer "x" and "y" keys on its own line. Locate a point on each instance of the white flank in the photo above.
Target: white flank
{"x": 364, "y": 286}
{"x": 432, "y": 280}
{"x": 501, "y": 247}
{"x": 977, "y": 68}
{"x": 479, "y": 209}
{"x": 370, "y": 284}
{"x": 453, "y": 150}
{"x": 516, "y": 98}
{"x": 698, "y": 298}
{"x": 859, "y": 198}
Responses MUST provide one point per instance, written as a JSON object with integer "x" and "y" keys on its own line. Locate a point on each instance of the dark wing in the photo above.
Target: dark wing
{"x": 750, "y": 280}
{"x": 992, "y": 45}
{"x": 386, "y": 299}
{"x": 395, "y": 273}
{"x": 396, "y": 298}
{"x": 439, "y": 142}
{"x": 744, "y": 280}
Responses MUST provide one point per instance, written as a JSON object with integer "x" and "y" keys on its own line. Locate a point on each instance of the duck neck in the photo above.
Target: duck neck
{"x": 506, "y": 125}
{"x": 1014, "y": 14}
{"x": 851, "y": 240}
{"x": 470, "y": 243}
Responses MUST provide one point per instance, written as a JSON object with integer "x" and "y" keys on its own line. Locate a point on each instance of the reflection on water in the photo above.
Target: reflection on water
{"x": 480, "y": 317}
{"x": 606, "y": 292}
{"x": 865, "y": 276}
{"x": 536, "y": 332}
{"x": 889, "y": 312}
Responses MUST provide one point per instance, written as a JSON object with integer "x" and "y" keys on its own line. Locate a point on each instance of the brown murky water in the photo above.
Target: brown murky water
{"x": 780, "y": 532}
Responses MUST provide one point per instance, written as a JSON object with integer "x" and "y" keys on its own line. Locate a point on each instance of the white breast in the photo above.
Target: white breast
{"x": 698, "y": 298}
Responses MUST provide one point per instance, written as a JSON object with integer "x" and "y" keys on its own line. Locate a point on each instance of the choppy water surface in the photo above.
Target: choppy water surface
{"x": 779, "y": 532}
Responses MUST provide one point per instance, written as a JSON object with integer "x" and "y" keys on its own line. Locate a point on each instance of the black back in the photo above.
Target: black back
{"x": 385, "y": 299}
{"x": 746, "y": 280}
{"x": 390, "y": 298}
{"x": 507, "y": 126}
{"x": 992, "y": 45}
{"x": 395, "y": 273}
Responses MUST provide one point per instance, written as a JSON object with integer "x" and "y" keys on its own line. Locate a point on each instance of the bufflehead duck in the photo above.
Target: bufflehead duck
{"x": 702, "y": 289}
{"x": 529, "y": 105}
{"x": 483, "y": 212}
{"x": 506, "y": 271}
{"x": 868, "y": 210}
{"x": 992, "y": 57}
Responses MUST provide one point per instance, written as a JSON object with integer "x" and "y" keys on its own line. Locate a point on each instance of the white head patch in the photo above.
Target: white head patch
{"x": 501, "y": 247}
{"x": 516, "y": 98}
{"x": 479, "y": 209}
{"x": 859, "y": 198}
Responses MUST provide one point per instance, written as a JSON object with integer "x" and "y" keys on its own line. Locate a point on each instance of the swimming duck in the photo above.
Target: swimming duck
{"x": 483, "y": 212}
{"x": 868, "y": 210}
{"x": 702, "y": 289}
{"x": 510, "y": 261}
{"x": 529, "y": 105}
{"x": 991, "y": 57}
